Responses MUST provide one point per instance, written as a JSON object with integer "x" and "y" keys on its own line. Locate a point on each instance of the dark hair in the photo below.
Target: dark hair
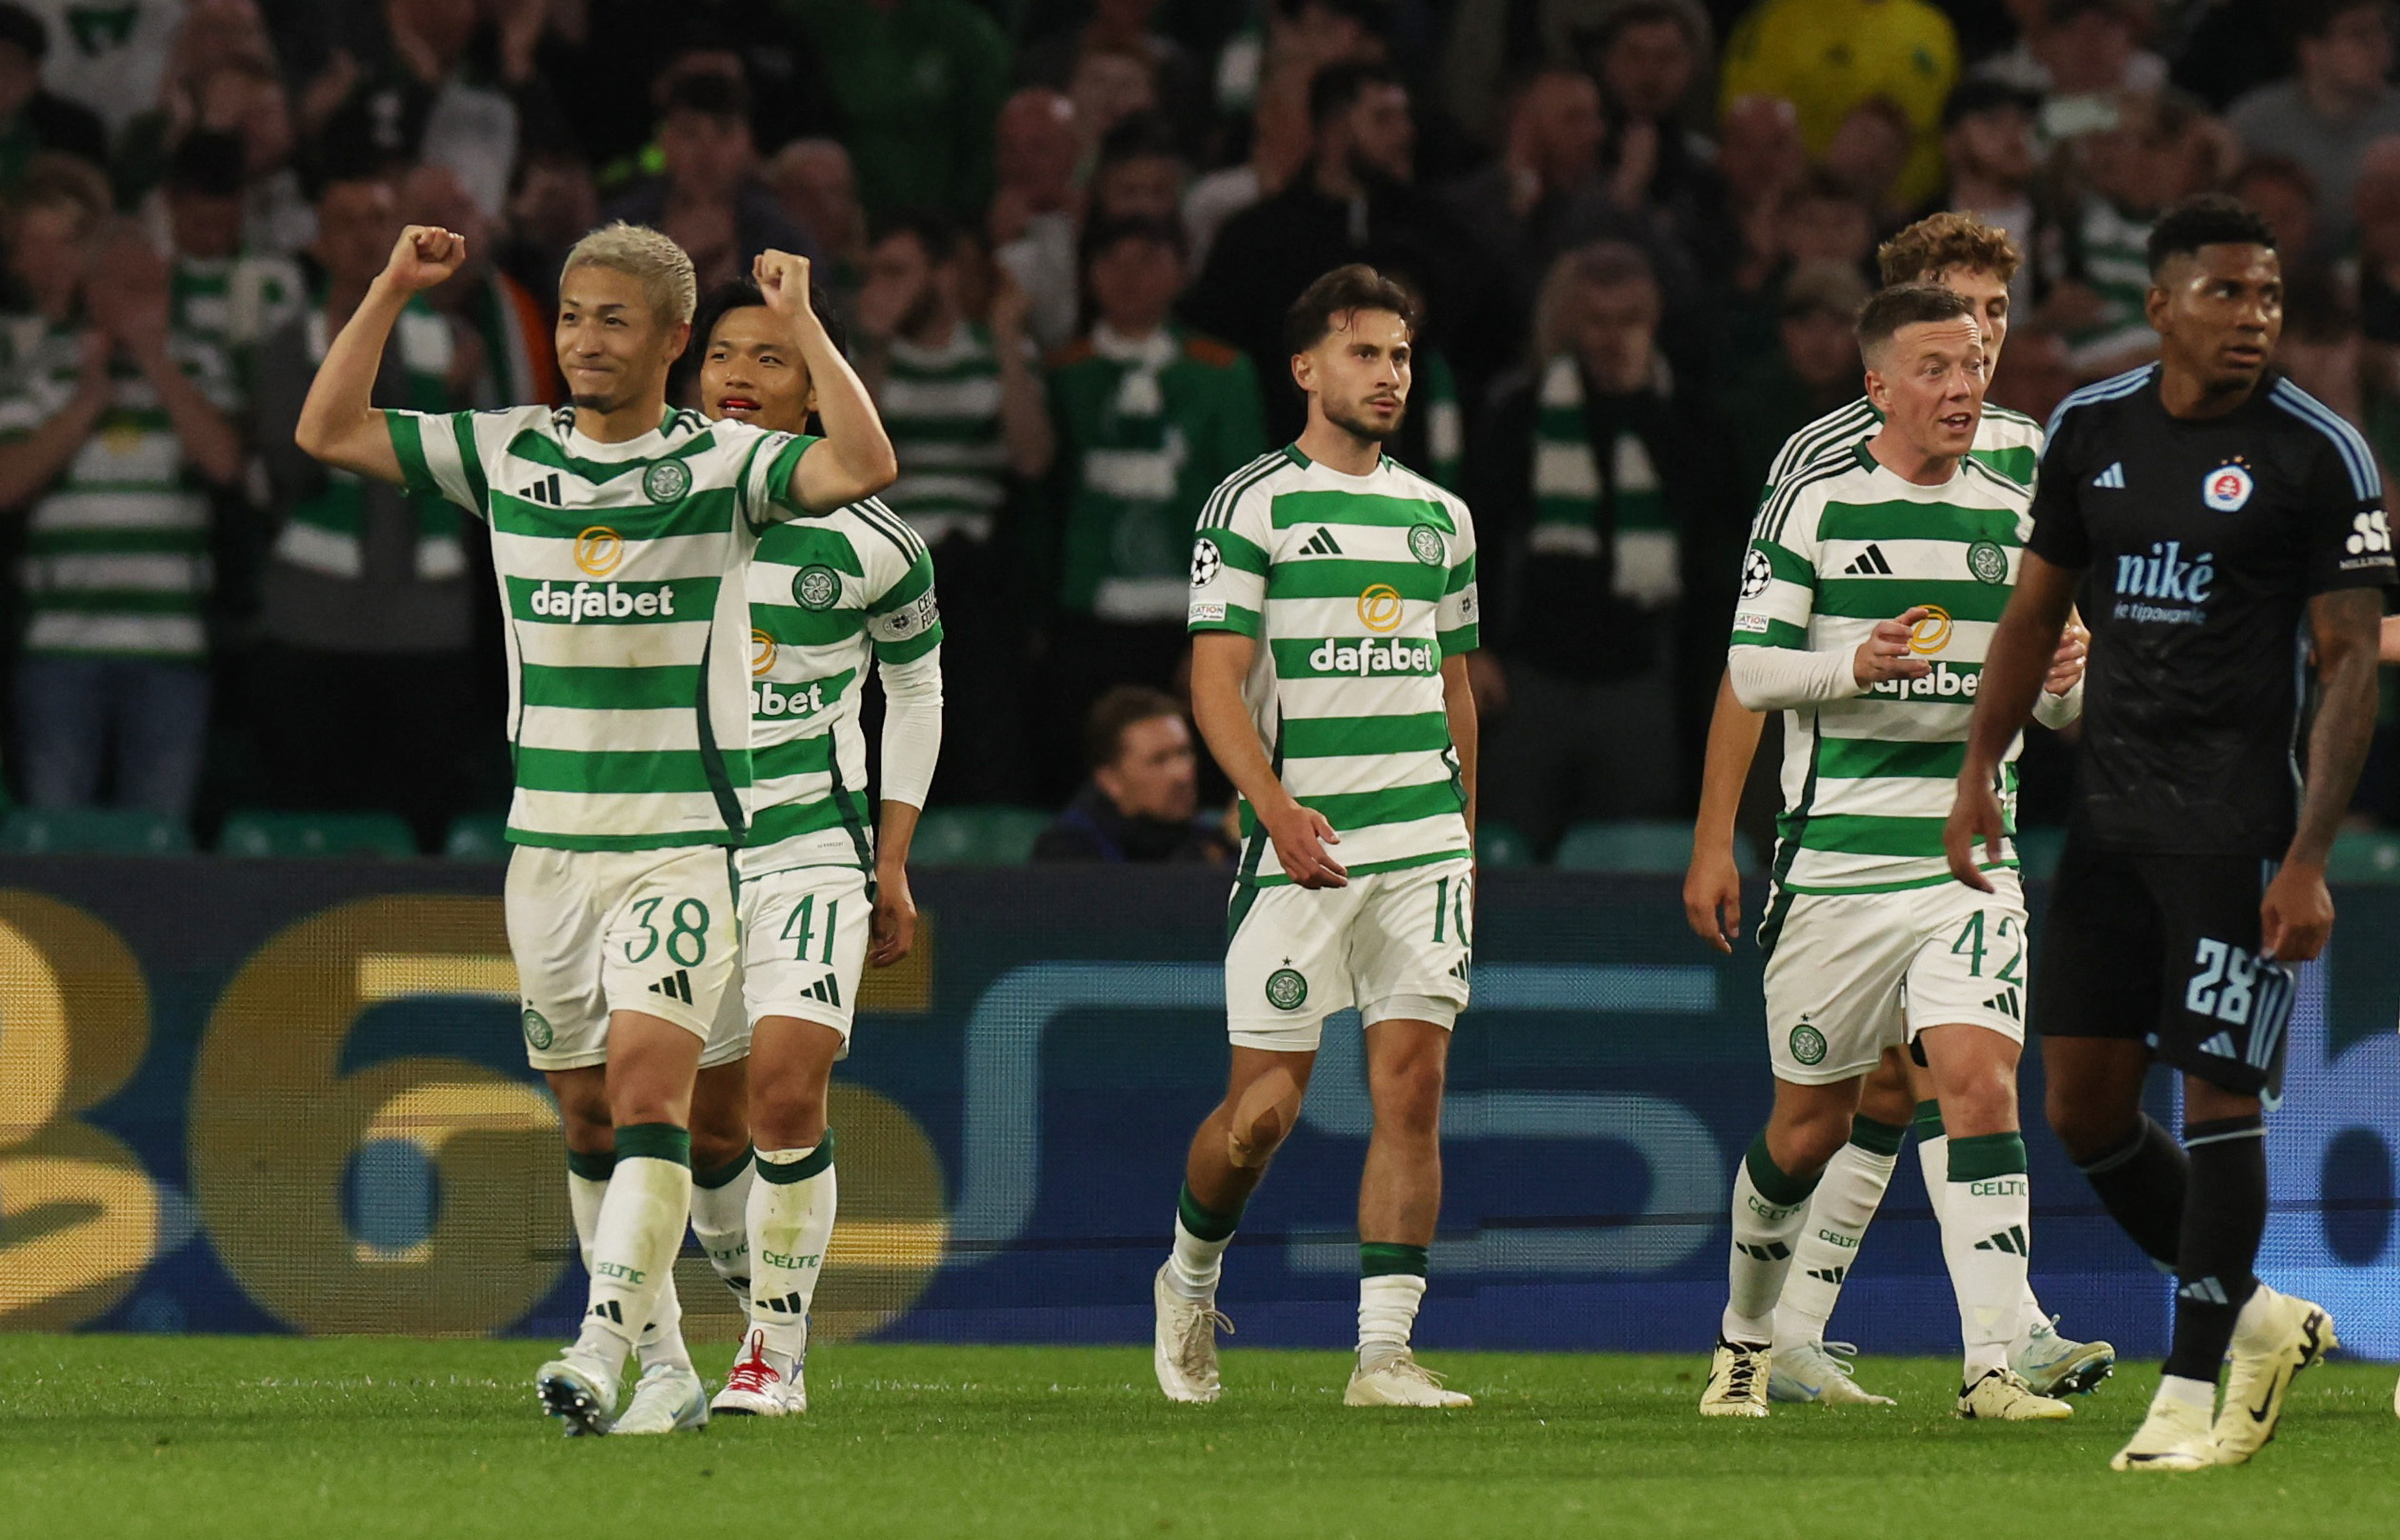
{"x": 1118, "y": 708}
{"x": 710, "y": 92}
{"x": 1356, "y": 286}
{"x": 1141, "y": 136}
{"x": 209, "y": 164}
{"x": 934, "y": 231}
{"x": 1598, "y": 39}
{"x": 1979, "y": 94}
{"x": 1336, "y": 88}
{"x": 2312, "y": 20}
{"x": 2210, "y": 219}
{"x": 1105, "y": 234}
{"x": 1888, "y": 309}
{"x": 742, "y": 294}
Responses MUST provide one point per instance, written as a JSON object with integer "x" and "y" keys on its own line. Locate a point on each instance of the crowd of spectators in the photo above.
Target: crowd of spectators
{"x": 1062, "y": 236}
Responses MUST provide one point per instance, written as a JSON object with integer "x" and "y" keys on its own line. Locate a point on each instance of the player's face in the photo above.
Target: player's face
{"x": 613, "y": 348}
{"x": 1989, "y": 296}
{"x": 1928, "y": 383}
{"x": 752, "y": 374}
{"x": 1358, "y": 373}
{"x": 2218, "y": 313}
{"x": 1155, "y": 775}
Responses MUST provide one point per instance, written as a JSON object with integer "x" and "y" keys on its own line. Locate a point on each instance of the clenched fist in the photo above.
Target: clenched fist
{"x": 783, "y": 279}
{"x": 424, "y": 256}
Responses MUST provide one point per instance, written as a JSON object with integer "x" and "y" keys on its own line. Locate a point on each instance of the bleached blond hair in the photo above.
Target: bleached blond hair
{"x": 648, "y": 256}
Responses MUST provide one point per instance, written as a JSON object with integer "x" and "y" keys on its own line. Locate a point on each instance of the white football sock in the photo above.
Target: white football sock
{"x": 1934, "y": 1154}
{"x": 1769, "y": 1208}
{"x": 661, "y": 1340}
{"x": 639, "y": 1230}
{"x": 1848, "y": 1194}
{"x": 1988, "y": 1206}
{"x": 791, "y": 1225}
{"x": 1387, "y": 1313}
{"x": 720, "y": 1221}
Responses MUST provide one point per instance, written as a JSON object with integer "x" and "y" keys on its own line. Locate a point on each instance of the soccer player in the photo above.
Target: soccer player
{"x": 2220, "y": 524}
{"x": 1332, "y": 605}
{"x": 825, "y": 889}
{"x": 1869, "y": 945}
{"x": 621, "y": 535}
{"x": 1960, "y": 252}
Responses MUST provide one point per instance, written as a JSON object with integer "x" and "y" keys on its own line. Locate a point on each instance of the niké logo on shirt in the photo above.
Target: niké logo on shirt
{"x": 2180, "y": 584}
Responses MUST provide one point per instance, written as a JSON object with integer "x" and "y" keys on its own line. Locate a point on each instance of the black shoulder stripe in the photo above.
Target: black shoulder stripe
{"x": 880, "y": 519}
{"x": 1217, "y": 513}
{"x": 1778, "y": 513}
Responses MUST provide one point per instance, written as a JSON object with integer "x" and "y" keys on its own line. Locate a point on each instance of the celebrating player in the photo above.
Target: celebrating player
{"x": 823, "y": 888}
{"x": 1332, "y": 607}
{"x": 1868, "y": 945}
{"x": 1960, "y": 252}
{"x": 2216, "y": 518}
{"x": 620, "y": 533}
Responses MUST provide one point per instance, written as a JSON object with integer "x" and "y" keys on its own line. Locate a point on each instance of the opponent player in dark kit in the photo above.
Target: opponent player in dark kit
{"x": 2222, "y": 528}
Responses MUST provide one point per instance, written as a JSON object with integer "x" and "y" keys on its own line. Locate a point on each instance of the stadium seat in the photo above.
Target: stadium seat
{"x": 255, "y": 834}
{"x": 478, "y": 836}
{"x": 977, "y": 836}
{"x": 1501, "y": 845}
{"x": 1640, "y": 848}
{"x": 94, "y": 831}
{"x": 2038, "y": 851}
{"x": 2366, "y": 857}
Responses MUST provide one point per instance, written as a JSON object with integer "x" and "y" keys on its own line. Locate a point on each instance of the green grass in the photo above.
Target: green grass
{"x": 191, "y": 1437}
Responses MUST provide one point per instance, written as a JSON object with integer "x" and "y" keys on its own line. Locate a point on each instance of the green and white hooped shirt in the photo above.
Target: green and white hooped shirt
{"x": 1356, "y": 589}
{"x": 829, "y": 597}
{"x": 1843, "y": 543}
{"x": 621, "y": 570}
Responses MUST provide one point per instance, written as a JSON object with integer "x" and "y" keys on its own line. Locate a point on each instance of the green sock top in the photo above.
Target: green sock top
{"x": 1382, "y": 1259}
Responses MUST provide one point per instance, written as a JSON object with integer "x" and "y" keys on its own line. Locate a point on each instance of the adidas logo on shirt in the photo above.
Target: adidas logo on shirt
{"x": 544, "y": 491}
{"x": 1321, "y": 544}
{"x": 2113, "y": 476}
{"x": 675, "y": 986}
{"x": 1871, "y": 563}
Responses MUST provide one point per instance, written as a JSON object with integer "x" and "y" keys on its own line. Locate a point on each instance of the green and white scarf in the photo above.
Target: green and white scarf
{"x": 326, "y": 532}
{"x": 1576, "y": 509}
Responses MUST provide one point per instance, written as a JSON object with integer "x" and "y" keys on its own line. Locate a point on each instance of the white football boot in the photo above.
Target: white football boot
{"x": 1737, "y": 1381}
{"x": 2274, "y": 1338}
{"x": 579, "y": 1391}
{"x": 2052, "y": 1365}
{"x": 1183, "y": 1346}
{"x": 1818, "y": 1373}
{"x": 668, "y": 1398}
{"x": 1400, "y": 1381}
{"x": 763, "y": 1384}
{"x": 2173, "y": 1438}
{"x": 2002, "y": 1395}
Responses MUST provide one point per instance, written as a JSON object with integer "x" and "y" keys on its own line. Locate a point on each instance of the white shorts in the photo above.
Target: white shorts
{"x": 1394, "y": 943}
{"x": 1855, "y": 974}
{"x": 804, "y": 948}
{"x": 595, "y": 931}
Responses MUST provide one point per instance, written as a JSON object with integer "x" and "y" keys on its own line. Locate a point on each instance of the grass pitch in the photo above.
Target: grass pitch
{"x": 266, "y": 1438}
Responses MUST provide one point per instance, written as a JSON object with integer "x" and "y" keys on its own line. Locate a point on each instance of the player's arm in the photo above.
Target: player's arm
{"x": 339, "y": 421}
{"x": 36, "y": 454}
{"x": 2345, "y": 627}
{"x": 1220, "y": 661}
{"x": 1712, "y": 884}
{"x": 2024, "y": 649}
{"x": 1458, "y": 704}
{"x": 855, "y": 458}
{"x": 905, "y": 625}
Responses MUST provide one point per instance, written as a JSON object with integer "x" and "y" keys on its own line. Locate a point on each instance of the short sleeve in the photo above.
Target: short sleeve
{"x": 764, "y": 487}
{"x": 1458, "y": 622}
{"x": 1779, "y": 588}
{"x": 1228, "y": 561}
{"x": 441, "y": 456}
{"x": 2060, "y": 536}
{"x": 2349, "y": 537}
{"x": 903, "y": 619}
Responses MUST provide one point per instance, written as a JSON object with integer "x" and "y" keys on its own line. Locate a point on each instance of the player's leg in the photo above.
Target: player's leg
{"x": 1410, "y": 950}
{"x": 583, "y": 1111}
{"x": 722, "y": 1169}
{"x": 805, "y": 946}
{"x": 1847, "y": 1196}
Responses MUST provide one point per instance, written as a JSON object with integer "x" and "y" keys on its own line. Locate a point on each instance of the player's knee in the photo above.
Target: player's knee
{"x": 1260, "y": 1119}
{"x": 2086, "y": 1127}
{"x": 1409, "y": 1098}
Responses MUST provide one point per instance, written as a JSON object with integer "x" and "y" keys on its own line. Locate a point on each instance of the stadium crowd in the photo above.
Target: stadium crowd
{"x": 1060, "y": 236}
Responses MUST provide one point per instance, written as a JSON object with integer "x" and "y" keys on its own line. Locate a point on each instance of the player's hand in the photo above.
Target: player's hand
{"x": 2067, "y": 664}
{"x": 891, "y": 928}
{"x": 783, "y": 279}
{"x": 1885, "y": 653}
{"x": 1974, "y": 819}
{"x": 1713, "y": 895}
{"x": 2296, "y": 916}
{"x": 1301, "y": 835}
{"x": 424, "y": 256}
